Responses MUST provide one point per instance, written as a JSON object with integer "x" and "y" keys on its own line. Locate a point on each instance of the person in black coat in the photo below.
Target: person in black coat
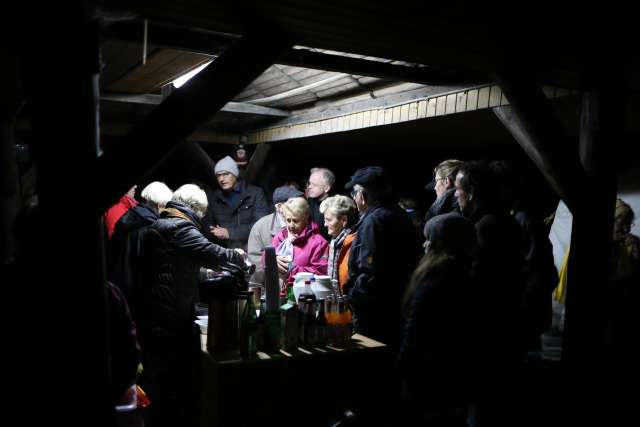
{"x": 234, "y": 207}
{"x": 319, "y": 187}
{"x": 124, "y": 257}
{"x": 385, "y": 251}
{"x": 437, "y": 346}
{"x": 444, "y": 178}
{"x": 175, "y": 249}
{"x": 498, "y": 288}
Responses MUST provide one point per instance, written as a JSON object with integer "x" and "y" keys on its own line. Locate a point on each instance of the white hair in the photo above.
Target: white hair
{"x": 338, "y": 205}
{"x": 157, "y": 194}
{"x": 328, "y": 176}
{"x": 194, "y": 197}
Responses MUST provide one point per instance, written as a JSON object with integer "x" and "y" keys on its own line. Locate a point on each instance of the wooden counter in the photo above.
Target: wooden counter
{"x": 287, "y": 389}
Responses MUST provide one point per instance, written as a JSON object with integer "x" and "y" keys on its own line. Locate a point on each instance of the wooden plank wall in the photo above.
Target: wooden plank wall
{"x": 477, "y": 98}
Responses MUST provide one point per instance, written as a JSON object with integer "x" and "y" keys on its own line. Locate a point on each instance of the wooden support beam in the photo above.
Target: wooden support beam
{"x": 589, "y": 286}
{"x": 256, "y": 163}
{"x": 212, "y": 44}
{"x": 62, "y": 243}
{"x": 10, "y": 200}
{"x": 188, "y": 108}
{"x": 229, "y": 107}
{"x": 532, "y": 122}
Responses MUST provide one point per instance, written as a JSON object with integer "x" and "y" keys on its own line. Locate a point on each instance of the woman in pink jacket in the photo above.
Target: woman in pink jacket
{"x": 299, "y": 246}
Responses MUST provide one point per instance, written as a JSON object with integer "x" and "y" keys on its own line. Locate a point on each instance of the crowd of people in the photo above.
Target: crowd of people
{"x": 472, "y": 293}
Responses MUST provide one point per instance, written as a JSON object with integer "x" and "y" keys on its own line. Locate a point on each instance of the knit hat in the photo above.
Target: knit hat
{"x": 227, "y": 164}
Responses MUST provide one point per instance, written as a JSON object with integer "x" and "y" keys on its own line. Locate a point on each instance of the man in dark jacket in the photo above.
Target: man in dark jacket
{"x": 498, "y": 262}
{"x": 234, "y": 207}
{"x": 176, "y": 249}
{"x": 319, "y": 187}
{"x": 385, "y": 251}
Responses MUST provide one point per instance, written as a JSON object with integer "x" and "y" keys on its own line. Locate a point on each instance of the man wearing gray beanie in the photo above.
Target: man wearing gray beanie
{"x": 234, "y": 207}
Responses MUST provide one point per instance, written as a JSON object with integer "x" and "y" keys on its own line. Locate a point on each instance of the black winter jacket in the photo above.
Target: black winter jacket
{"x": 238, "y": 217}
{"x": 124, "y": 263}
{"x": 176, "y": 250}
{"x": 445, "y": 204}
{"x": 385, "y": 251}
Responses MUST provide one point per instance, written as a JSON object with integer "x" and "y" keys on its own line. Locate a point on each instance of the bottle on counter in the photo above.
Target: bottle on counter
{"x": 307, "y": 291}
{"x": 342, "y": 328}
{"x": 335, "y": 286}
{"x": 309, "y": 324}
{"x": 348, "y": 320}
{"x": 248, "y": 327}
{"x": 321, "y": 325}
{"x": 330, "y": 314}
{"x": 289, "y": 323}
{"x": 260, "y": 325}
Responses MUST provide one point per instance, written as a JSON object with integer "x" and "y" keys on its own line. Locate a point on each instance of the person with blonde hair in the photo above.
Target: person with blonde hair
{"x": 299, "y": 246}
{"x": 340, "y": 215}
{"x": 443, "y": 184}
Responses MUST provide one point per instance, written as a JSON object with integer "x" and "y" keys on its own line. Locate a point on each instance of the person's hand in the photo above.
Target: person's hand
{"x": 291, "y": 237}
{"x": 219, "y": 232}
{"x": 242, "y": 253}
{"x": 283, "y": 264}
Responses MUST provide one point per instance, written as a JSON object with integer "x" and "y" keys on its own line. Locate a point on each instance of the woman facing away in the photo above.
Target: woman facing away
{"x": 437, "y": 342}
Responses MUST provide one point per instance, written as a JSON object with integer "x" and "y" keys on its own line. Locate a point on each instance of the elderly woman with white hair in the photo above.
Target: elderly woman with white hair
{"x": 299, "y": 246}
{"x": 175, "y": 249}
{"x": 124, "y": 267}
{"x": 340, "y": 215}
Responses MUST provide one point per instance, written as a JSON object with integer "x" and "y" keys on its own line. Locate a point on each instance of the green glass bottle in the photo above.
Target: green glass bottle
{"x": 248, "y": 327}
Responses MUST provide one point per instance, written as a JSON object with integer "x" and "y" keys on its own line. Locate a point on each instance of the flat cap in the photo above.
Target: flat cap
{"x": 284, "y": 193}
{"x": 367, "y": 177}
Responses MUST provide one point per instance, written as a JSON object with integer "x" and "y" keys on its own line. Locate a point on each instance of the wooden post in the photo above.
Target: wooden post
{"x": 9, "y": 191}
{"x": 590, "y": 268}
{"x": 69, "y": 352}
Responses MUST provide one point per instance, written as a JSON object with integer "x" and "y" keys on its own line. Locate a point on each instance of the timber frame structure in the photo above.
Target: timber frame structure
{"x": 487, "y": 56}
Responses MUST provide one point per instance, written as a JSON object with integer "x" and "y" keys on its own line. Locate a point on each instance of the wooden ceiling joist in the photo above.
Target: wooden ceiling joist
{"x": 186, "y": 110}
{"x": 230, "y": 107}
{"x": 212, "y": 44}
{"x": 532, "y": 122}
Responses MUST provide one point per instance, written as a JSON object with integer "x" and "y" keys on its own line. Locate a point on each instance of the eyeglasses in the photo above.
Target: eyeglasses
{"x": 354, "y": 193}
